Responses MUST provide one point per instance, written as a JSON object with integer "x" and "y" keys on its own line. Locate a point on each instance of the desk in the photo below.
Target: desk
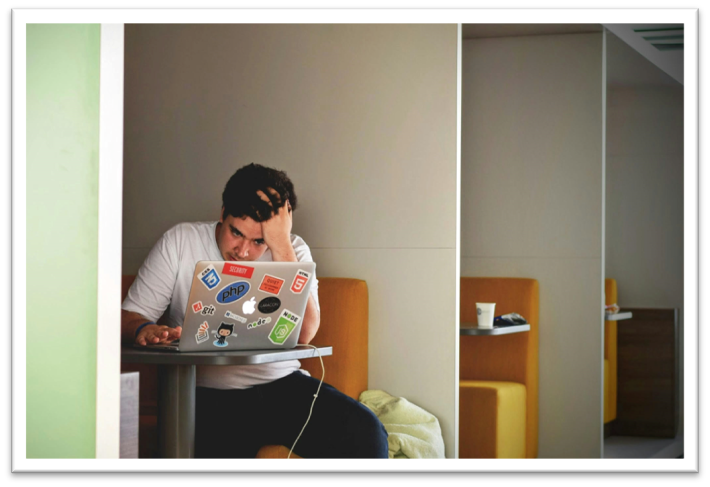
{"x": 472, "y": 329}
{"x": 626, "y": 315}
{"x": 177, "y": 382}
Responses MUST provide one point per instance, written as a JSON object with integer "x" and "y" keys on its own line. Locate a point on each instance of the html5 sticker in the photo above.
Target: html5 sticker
{"x": 237, "y": 270}
{"x": 300, "y": 281}
{"x": 270, "y": 284}
{"x": 197, "y": 307}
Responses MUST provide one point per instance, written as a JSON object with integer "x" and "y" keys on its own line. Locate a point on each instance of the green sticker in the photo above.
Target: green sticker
{"x": 286, "y": 323}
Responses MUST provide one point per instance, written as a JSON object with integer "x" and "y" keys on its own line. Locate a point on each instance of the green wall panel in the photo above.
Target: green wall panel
{"x": 62, "y": 238}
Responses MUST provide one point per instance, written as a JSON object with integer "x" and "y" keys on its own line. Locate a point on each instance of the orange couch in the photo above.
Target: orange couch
{"x": 344, "y": 326}
{"x": 610, "y": 356}
{"x": 498, "y": 388}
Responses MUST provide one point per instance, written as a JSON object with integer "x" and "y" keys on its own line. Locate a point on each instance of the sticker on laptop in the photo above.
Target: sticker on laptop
{"x": 209, "y": 277}
{"x": 238, "y": 270}
{"x": 259, "y": 322}
{"x": 269, "y": 305}
{"x": 300, "y": 281}
{"x": 197, "y": 307}
{"x": 202, "y": 333}
{"x": 224, "y": 330}
{"x": 270, "y": 284}
{"x": 208, "y": 310}
{"x": 286, "y": 323}
{"x": 232, "y": 292}
{"x": 249, "y": 306}
{"x": 235, "y": 317}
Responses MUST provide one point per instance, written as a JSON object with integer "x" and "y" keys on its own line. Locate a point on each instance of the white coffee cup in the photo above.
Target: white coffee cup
{"x": 485, "y": 313}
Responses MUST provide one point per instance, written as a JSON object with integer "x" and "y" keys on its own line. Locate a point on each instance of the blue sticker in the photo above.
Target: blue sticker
{"x": 232, "y": 292}
{"x": 209, "y": 277}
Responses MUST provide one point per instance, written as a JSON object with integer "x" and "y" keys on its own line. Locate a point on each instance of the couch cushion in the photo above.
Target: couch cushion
{"x": 273, "y": 451}
{"x": 608, "y": 408}
{"x": 344, "y": 326}
{"x": 493, "y": 425}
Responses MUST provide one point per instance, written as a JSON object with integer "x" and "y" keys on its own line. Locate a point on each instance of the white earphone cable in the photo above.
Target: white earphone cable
{"x": 315, "y": 396}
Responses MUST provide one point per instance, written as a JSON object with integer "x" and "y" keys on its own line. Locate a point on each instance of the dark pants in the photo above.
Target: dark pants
{"x": 235, "y": 423}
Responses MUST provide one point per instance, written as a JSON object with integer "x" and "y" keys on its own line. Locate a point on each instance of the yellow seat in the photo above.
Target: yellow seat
{"x": 610, "y": 355}
{"x": 494, "y": 410}
{"x": 607, "y": 392}
{"x": 499, "y": 374}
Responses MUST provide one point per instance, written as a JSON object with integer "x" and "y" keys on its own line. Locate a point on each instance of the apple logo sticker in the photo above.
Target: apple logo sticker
{"x": 249, "y": 306}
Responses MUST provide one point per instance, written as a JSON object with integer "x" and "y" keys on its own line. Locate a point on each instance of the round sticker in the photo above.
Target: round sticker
{"x": 269, "y": 305}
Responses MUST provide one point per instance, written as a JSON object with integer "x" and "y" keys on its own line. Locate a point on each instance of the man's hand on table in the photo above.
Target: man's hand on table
{"x": 157, "y": 334}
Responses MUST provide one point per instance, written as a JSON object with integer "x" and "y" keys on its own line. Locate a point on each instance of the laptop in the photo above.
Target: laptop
{"x": 244, "y": 306}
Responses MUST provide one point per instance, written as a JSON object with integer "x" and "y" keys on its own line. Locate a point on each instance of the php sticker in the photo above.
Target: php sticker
{"x": 208, "y": 310}
{"x": 284, "y": 326}
{"x": 197, "y": 307}
{"x": 300, "y": 281}
{"x": 259, "y": 322}
{"x": 202, "y": 333}
{"x": 238, "y": 270}
{"x": 269, "y": 305}
{"x": 235, "y": 317}
{"x": 232, "y": 292}
{"x": 270, "y": 284}
{"x": 209, "y": 277}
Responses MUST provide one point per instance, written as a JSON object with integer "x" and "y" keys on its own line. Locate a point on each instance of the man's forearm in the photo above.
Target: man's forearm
{"x": 311, "y": 318}
{"x": 284, "y": 253}
{"x": 311, "y": 322}
{"x": 130, "y": 321}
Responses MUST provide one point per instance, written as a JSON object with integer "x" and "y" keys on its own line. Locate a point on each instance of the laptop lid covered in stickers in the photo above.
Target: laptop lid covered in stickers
{"x": 245, "y": 305}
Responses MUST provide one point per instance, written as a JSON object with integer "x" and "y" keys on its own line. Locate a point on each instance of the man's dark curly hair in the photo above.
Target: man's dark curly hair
{"x": 240, "y": 199}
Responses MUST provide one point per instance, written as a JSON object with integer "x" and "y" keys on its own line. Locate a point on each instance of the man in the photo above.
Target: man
{"x": 242, "y": 408}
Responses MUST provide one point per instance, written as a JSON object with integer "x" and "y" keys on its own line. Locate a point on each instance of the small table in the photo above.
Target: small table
{"x": 177, "y": 383}
{"x": 621, "y": 315}
{"x": 473, "y": 329}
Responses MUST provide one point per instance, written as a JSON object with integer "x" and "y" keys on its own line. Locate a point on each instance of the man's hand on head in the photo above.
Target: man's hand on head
{"x": 276, "y": 231}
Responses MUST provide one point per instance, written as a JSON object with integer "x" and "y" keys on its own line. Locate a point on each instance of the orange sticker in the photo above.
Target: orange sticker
{"x": 270, "y": 284}
{"x": 299, "y": 282}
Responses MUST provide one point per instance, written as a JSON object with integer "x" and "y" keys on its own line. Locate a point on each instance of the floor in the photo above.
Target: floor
{"x": 643, "y": 447}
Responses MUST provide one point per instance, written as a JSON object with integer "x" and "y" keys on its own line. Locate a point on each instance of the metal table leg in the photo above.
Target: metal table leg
{"x": 176, "y": 411}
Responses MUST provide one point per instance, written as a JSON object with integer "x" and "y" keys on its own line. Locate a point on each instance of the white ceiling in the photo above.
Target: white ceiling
{"x": 626, "y": 67}
{"x": 477, "y": 31}
{"x": 662, "y": 44}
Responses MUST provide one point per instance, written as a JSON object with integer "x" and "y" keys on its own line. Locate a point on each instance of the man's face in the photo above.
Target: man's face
{"x": 240, "y": 238}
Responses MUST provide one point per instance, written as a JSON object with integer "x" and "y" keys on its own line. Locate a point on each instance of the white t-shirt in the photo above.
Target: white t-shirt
{"x": 162, "y": 287}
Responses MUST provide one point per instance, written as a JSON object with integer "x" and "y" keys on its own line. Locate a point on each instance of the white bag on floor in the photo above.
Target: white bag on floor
{"x": 413, "y": 432}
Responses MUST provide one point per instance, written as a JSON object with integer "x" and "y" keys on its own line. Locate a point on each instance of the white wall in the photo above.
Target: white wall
{"x": 362, "y": 118}
{"x": 531, "y": 206}
{"x": 644, "y": 197}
